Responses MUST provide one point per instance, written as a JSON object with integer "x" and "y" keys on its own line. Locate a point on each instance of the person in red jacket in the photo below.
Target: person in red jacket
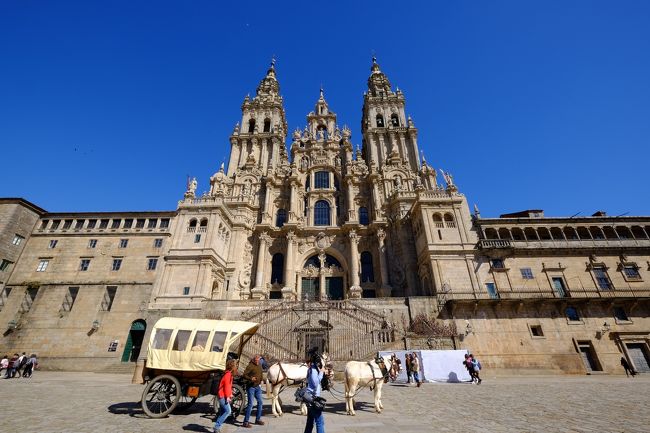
{"x": 224, "y": 394}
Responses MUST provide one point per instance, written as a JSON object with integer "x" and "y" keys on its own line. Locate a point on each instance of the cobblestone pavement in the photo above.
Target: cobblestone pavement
{"x": 88, "y": 402}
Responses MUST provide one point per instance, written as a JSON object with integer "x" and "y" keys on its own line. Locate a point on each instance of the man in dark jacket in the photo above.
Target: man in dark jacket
{"x": 253, "y": 374}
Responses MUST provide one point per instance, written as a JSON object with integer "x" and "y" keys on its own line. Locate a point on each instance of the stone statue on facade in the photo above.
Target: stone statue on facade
{"x": 191, "y": 188}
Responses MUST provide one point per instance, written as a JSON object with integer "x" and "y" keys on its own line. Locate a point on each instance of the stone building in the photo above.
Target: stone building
{"x": 330, "y": 246}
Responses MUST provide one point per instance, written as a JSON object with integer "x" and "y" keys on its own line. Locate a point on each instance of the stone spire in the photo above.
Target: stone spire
{"x": 378, "y": 83}
{"x": 269, "y": 85}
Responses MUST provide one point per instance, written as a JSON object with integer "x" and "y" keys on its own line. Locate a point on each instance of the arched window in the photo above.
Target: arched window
{"x": 367, "y": 273}
{"x": 449, "y": 220}
{"x": 380, "y": 121}
{"x": 204, "y": 222}
{"x": 329, "y": 261}
{"x": 280, "y": 218}
{"x": 321, "y": 179}
{"x": 322, "y": 213}
{"x": 363, "y": 216}
{"x": 437, "y": 220}
{"x": 251, "y": 126}
{"x": 192, "y": 226}
{"x": 267, "y": 125}
{"x": 394, "y": 120}
{"x": 277, "y": 268}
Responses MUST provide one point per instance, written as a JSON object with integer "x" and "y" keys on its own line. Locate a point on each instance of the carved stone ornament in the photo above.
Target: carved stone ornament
{"x": 323, "y": 241}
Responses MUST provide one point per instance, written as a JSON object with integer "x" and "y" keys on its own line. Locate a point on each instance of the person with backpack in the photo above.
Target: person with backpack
{"x": 476, "y": 367}
{"x": 224, "y": 394}
{"x": 22, "y": 361}
{"x": 315, "y": 411}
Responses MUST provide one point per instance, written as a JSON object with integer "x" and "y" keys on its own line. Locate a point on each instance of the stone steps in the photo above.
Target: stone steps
{"x": 120, "y": 368}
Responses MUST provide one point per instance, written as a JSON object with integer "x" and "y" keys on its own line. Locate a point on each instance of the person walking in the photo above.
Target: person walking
{"x": 628, "y": 370}
{"x": 253, "y": 374}
{"x": 476, "y": 366}
{"x": 30, "y": 366}
{"x": 11, "y": 366}
{"x": 409, "y": 373}
{"x": 22, "y": 360}
{"x": 415, "y": 369}
{"x": 314, "y": 412}
{"x": 469, "y": 366}
{"x": 224, "y": 394}
{"x": 4, "y": 364}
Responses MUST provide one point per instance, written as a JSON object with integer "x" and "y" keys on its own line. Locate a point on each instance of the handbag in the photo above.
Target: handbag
{"x": 304, "y": 395}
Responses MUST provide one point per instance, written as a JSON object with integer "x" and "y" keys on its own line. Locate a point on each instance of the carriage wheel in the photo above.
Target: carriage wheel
{"x": 239, "y": 401}
{"x": 237, "y": 404}
{"x": 161, "y": 396}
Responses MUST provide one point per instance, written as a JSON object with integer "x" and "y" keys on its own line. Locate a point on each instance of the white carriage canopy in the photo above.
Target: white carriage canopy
{"x": 195, "y": 344}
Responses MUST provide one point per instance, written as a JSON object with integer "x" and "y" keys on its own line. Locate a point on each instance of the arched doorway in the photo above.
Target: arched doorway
{"x": 322, "y": 278}
{"x": 134, "y": 341}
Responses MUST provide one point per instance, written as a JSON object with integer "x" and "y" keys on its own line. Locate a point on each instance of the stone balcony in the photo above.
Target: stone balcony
{"x": 465, "y": 296}
{"x": 491, "y": 244}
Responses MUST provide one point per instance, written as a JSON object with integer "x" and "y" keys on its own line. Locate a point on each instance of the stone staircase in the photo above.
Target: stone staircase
{"x": 119, "y": 368}
{"x": 345, "y": 329}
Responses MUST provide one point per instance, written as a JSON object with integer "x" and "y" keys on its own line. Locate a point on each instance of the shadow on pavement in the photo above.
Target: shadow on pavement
{"x": 127, "y": 408}
{"x": 197, "y": 428}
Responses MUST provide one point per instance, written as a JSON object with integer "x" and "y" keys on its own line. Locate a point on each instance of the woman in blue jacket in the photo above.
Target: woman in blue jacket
{"x": 314, "y": 413}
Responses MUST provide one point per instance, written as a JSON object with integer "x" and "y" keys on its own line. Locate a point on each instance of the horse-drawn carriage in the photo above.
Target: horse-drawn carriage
{"x": 186, "y": 359}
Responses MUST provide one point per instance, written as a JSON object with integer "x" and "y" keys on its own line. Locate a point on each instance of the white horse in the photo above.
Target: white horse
{"x": 359, "y": 374}
{"x": 283, "y": 374}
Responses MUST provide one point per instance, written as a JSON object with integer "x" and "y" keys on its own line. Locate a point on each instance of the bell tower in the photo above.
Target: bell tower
{"x": 387, "y": 132}
{"x": 259, "y": 138}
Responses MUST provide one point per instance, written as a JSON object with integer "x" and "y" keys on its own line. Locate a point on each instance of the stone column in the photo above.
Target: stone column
{"x": 259, "y": 291}
{"x": 351, "y": 207}
{"x": 385, "y": 290}
{"x": 355, "y": 288}
{"x": 289, "y": 290}
{"x": 266, "y": 215}
{"x": 321, "y": 278}
{"x": 292, "y": 203}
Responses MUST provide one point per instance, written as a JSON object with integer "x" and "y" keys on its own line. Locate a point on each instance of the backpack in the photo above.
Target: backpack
{"x": 476, "y": 364}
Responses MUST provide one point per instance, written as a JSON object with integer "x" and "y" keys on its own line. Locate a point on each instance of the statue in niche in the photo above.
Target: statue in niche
{"x": 304, "y": 163}
{"x": 398, "y": 183}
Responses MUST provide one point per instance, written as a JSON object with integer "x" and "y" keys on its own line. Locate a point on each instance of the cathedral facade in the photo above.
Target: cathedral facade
{"x": 350, "y": 249}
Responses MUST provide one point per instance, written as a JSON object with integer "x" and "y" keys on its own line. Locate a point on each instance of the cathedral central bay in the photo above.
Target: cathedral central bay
{"x": 323, "y": 223}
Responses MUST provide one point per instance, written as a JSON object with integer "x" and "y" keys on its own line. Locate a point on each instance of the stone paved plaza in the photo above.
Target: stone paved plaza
{"x": 88, "y": 402}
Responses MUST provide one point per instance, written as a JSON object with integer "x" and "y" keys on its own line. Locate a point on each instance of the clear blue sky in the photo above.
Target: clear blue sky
{"x": 108, "y": 106}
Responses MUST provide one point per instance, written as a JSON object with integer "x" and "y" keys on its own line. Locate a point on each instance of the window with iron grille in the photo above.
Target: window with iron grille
{"x": 322, "y": 213}
{"x": 631, "y": 272}
{"x": 117, "y": 264}
{"x": 620, "y": 314}
{"x": 42, "y": 265}
{"x": 70, "y": 297}
{"x": 321, "y": 179}
{"x": 572, "y": 314}
{"x": 602, "y": 278}
{"x": 363, "y": 216}
{"x": 526, "y": 273}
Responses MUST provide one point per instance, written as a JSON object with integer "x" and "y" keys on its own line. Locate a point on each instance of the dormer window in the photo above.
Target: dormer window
{"x": 380, "y": 121}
